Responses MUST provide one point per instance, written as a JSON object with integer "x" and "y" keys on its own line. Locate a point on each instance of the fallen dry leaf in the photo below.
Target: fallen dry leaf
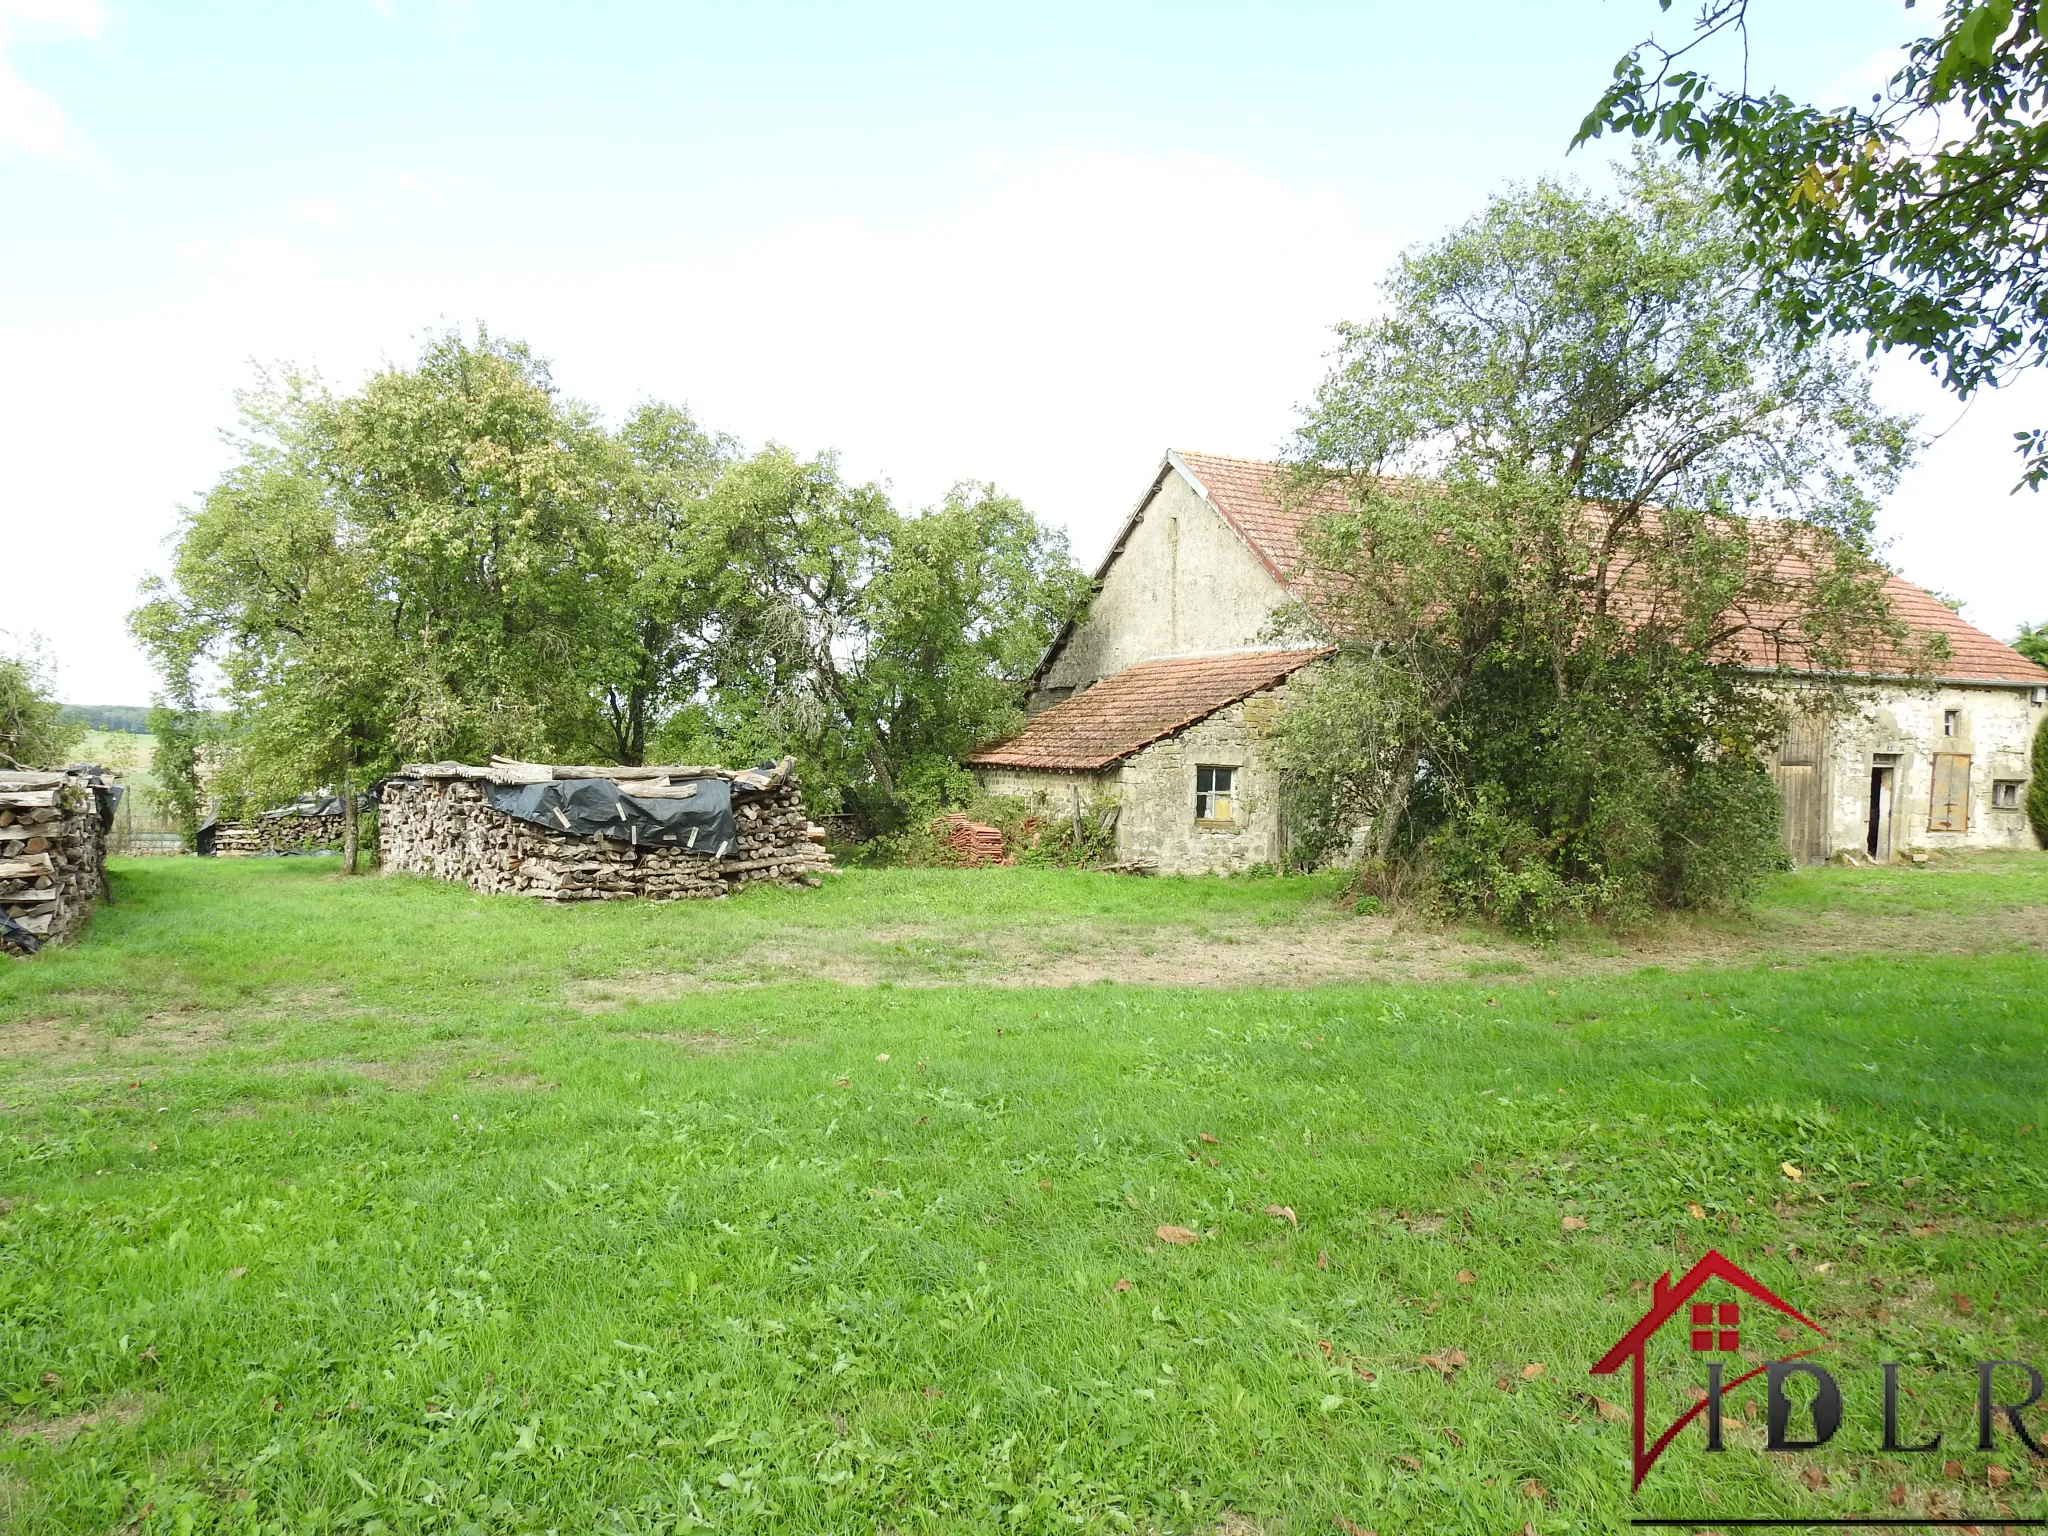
{"x": 1996, "y": 1475}
{"x": 1910, "y": 1180}
{"x": 1466, "y": 1277}
{"x": 1787, "y": 1333}
{"x": 1283, "y": 1211}
{"x": 1362, "y": 1373}
{"x": 1533, "y": 1369}
{"x": 51, "y": 1380}
{"x": 1449, "y": 1361}
{"x": 1322, "y": 1258}
{"x": 238, "y": 1271}
{"x": 1456, "y": 1439}
{"x": 1531, "y": 1489}
{"x": 1897, "y": 1496}
{"x": 1951, "y": 1469}
{"x": 1695, "y": 1211}
{"x": 1121, "y": 1286}
{"x": 1573, "y": 1224}
{"x": 1180, "y": 1236}
{"x": 1210, "y": 1139}
{"x": 1813, "y": 1477}
{"x": 1607, "y": 1410}
{"x": 1350, "y": 1528}
{"x": 881, "y": 1055}
{"x": 1791, "y": 1172}
{"x": 1412, "y": 1463}
{"x": 1962, "y": 1303}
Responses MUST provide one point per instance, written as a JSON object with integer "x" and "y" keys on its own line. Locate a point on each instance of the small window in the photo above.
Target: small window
{"x": 1215, "y": 794}
{"x": 1951, "y": 721}
{"x": 2005, "y": 794}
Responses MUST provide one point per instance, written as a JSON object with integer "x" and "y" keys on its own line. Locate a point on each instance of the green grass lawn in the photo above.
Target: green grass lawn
{"x": 378, "y": 1206}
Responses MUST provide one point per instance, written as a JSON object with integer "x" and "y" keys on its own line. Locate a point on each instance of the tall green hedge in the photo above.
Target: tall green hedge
{"x": 2037, "y": 785}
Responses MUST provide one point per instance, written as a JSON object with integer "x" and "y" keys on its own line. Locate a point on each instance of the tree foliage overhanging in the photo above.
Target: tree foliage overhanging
{"x": 33, "y": 730}
{"x": 1919, "y": 220}
{"x": 1569, "y": 475}
{"x": 455, "y": 560}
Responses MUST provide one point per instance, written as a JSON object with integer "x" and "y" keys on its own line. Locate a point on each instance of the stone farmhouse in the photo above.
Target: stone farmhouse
{"x": 1160, "y": 698}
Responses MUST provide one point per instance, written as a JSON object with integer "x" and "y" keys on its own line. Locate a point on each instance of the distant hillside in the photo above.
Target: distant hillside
{"x": 131, "y": 718}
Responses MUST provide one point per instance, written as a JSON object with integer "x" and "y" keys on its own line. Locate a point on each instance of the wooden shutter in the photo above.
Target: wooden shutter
{"x": 1948, "y": 807}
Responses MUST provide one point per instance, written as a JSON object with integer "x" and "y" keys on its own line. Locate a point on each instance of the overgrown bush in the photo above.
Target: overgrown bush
{"x": 2037, "y": 786}
{"x": 1581, "y": 520}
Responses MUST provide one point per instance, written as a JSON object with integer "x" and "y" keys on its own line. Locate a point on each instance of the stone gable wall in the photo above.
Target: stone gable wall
{"x": 1184, "y": 585}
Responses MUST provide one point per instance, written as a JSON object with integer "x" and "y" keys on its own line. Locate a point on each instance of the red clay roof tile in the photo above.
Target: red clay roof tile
{"x": 1244, "y": 491}
{"x": 1137, "y": 707}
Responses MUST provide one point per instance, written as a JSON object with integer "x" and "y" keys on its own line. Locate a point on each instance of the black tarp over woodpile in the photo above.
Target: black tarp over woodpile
{"x": 598, "y": 834}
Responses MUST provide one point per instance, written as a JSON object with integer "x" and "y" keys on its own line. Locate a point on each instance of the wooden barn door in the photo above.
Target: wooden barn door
{"x": 1802, "y": 816}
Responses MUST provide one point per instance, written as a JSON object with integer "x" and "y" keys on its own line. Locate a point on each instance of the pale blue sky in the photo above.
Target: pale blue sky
{"x": 1036, "y": 245}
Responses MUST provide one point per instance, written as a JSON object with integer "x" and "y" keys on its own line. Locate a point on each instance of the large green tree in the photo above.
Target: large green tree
{"x": 454, "y": 561}
{"x": 1580, "y": 474}
{"x": 1919, "y": 219}
{"x": 271, "y": 589}
{"x": 881, "y": 646}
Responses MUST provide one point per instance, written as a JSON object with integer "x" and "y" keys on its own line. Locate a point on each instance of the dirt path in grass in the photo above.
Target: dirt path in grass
{"x": 1317, "y": 948}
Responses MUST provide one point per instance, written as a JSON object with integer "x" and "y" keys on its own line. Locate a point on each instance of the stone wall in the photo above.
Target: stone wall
{"x": 1903, "y": 729}
{"x": 1154, "y": 790}
{"x": 1184, "y": 585}
{"x": 53, "y": 855}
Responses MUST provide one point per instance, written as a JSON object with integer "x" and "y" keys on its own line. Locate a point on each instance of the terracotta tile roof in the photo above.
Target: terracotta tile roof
{"x": 1137, "y": 707}
{"x": 1246, "y": 492}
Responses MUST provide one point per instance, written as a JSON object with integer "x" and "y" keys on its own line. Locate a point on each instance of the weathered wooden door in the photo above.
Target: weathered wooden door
{"x": 1802, "y": 810}
{"x": 1948, "y": 807}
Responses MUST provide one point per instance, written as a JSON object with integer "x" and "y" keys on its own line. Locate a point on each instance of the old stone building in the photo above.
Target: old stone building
{"x": 1158, "y": 700}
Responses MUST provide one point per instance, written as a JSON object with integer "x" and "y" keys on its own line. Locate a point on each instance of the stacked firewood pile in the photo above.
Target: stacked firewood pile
{"x": 437, "y": 819}
{"x": 314, "y": 821}
{"x": 53, "y": 854}
{"x": 237, "y": 840}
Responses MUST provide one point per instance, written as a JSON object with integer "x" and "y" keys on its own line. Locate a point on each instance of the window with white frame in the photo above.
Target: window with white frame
{"x": 1215, "y": 794}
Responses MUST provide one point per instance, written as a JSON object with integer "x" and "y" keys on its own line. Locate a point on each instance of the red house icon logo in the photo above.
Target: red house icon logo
{"x": 1712, "y": 1327}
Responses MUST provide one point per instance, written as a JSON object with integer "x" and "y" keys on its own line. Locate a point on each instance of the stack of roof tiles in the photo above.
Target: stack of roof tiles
{"x": 973, "y": 842}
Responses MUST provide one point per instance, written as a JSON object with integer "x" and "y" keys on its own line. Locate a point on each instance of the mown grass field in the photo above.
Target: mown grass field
{"x": 377, "y": 1206}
